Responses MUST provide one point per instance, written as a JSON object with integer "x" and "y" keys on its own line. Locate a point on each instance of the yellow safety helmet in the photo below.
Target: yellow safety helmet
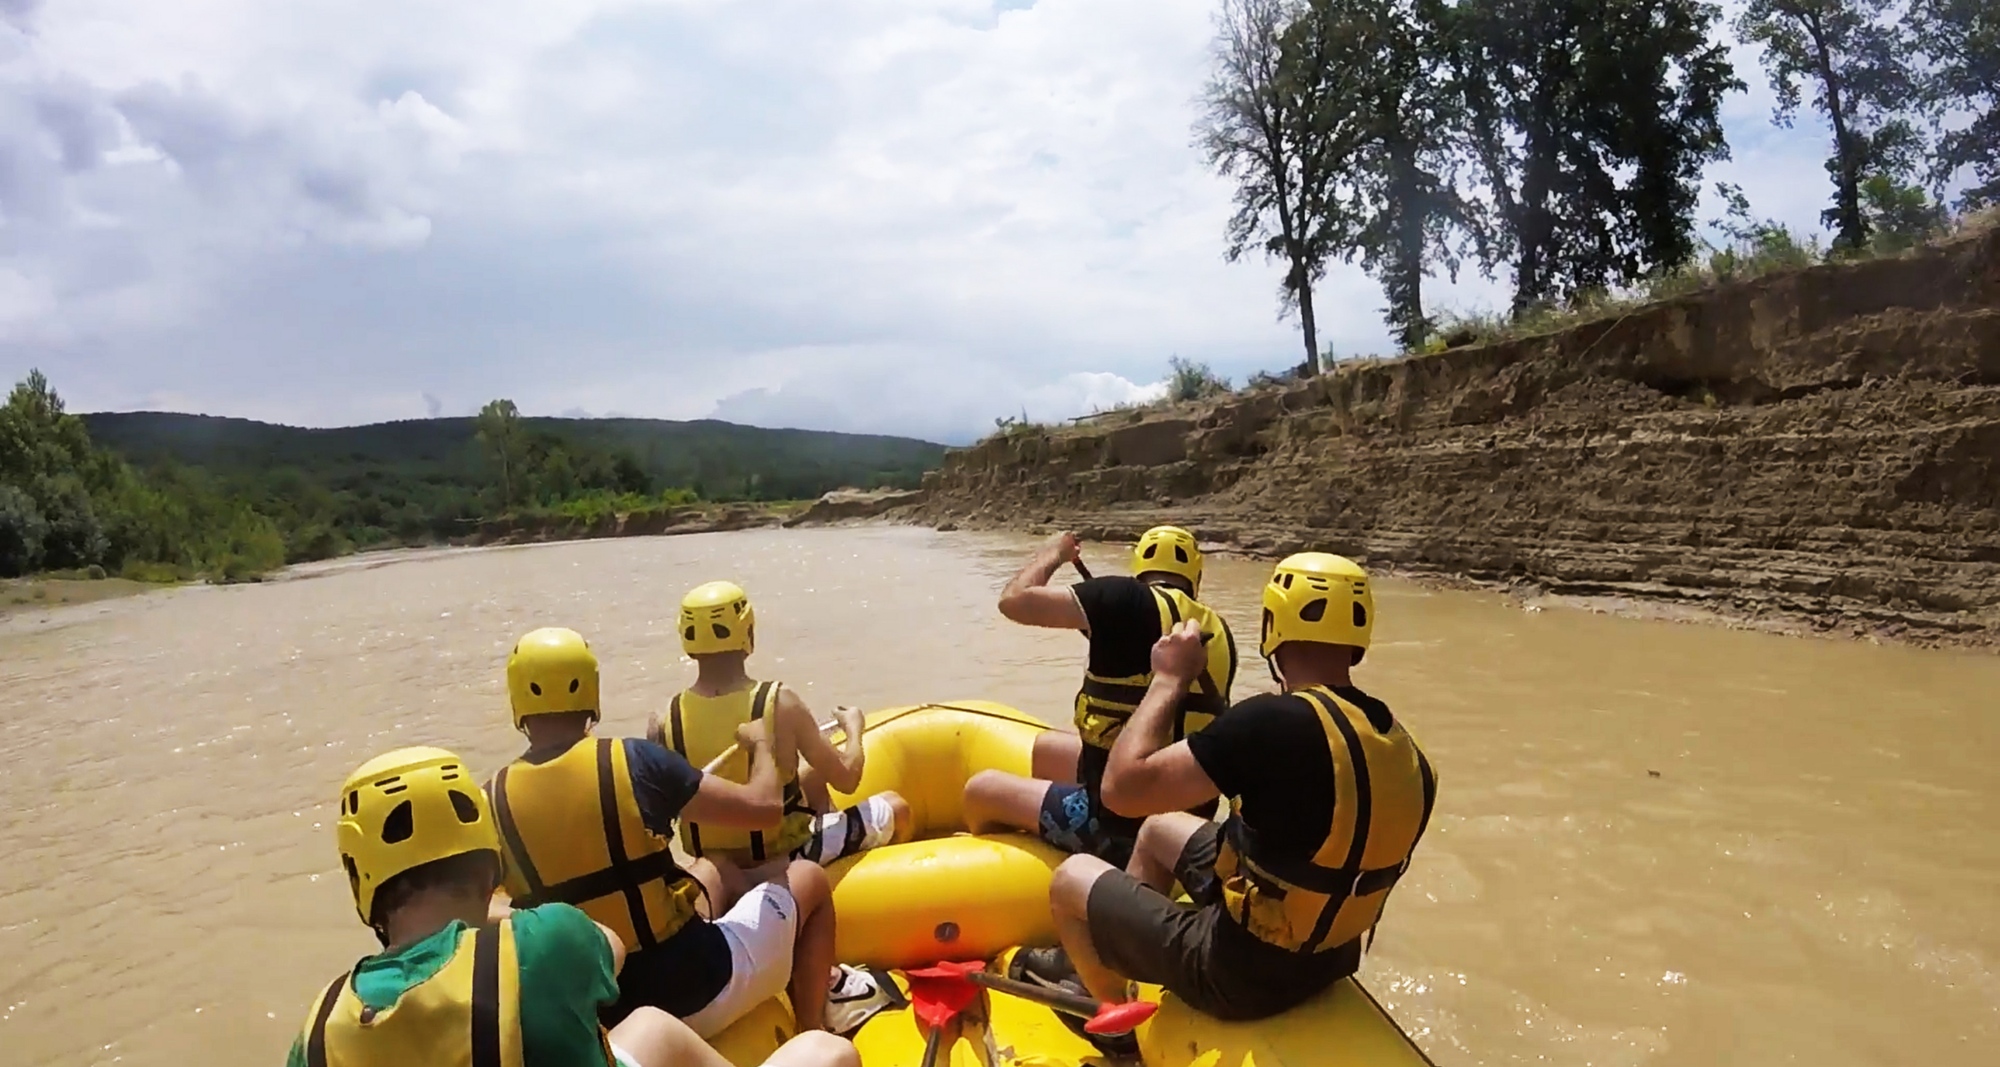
{"x": 1169, "y": 549}
{"x": 404, "y": 809}
{"x": 1318, "y": 596}
{"x": 551, "y": 670}
{"x": 716, "y": 617}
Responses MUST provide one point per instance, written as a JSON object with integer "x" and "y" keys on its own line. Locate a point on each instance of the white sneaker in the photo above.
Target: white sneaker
{"x": 855, "y": 998}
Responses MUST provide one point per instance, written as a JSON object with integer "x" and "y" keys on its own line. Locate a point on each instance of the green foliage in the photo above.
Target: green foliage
{"x": 22, "y": 529}
{"x": 1960, "y": 43}
{"x": 66, "y": 504}
{"x": 1272, "y": 122}
{"x": 1193, "y": 381}
{"x": 1857, "y": 57}
{"x": 1401, "y": 211}
{"x": 1900, "y": 215}
{"x": 1592, "y": 123}
{"x": 182, "y": 496}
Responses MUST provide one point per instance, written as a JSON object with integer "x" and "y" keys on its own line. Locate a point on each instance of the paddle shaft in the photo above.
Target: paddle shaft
{"x": 715, "y": 765}
{"x": 1067, "y": 1003}
{"x": 1081, "y": 569}
{"x": 932, "y": 1042}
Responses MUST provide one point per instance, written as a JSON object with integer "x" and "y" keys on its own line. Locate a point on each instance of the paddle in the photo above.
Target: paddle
{"x": 937, "y": 995}
{"x": 1102, "y": 1018}
{"x": 958, "y": 981}
{"x": 1080, "y": 568}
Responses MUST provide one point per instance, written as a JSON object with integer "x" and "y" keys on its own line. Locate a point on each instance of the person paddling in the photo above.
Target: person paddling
{"x": 587, "y": 821}
{"x": 1121, "y": 617}
{"x": 718, "y": 630}
{"x": 1329, "y": 796}
{"x": 464, "y": 978}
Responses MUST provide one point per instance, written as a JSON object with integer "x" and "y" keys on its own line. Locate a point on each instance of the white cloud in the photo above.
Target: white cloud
{"x": 912, "y": 216}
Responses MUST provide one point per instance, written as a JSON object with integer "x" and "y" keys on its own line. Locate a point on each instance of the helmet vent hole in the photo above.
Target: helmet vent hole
{"x": 354, "y": 802}
{"x": 688, "y": 634}
{"x": 1151, "y": 551}
{"x": 573, "y": 683}
{"x": 468, "y": 812}
{"x": 1314, "y": 611}
{"x": 721, "y": 631}
{"x": 1360, "y": 616}
{"x": 535, "y": 688}
{"x": 353, "y": 874}
{"x": 400, "y": 825}
{"x": 1287, "y": 581}
{"x": 1180, "y": 554}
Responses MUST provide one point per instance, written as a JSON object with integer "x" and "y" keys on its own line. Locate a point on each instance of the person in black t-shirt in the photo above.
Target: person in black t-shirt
{"x": 1122, "y": 617}
{"x": 1329, "y": 792}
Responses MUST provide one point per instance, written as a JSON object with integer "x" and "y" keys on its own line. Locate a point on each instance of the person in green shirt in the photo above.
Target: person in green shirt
{"x": 463, "y": 979}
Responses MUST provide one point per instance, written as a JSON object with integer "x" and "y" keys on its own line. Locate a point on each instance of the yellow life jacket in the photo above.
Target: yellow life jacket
{"x": 465, "y": 1015}
{"x": 573, "y": 834}
{"x": 1383, "y": 792}
{"x": 700, "y": 728}
{"x": 1104, "y": 704}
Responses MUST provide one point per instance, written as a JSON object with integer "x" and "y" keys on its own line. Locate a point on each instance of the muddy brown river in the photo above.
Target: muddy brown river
{"x": 1655, "y": 844}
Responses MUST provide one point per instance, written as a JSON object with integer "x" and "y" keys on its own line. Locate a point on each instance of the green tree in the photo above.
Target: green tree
{"x": 1271, "y": 121}
{"x": 1402, "y": 205}
{"x": 1591, "y": 123}
{"x": 499, "y": 430}
{"x": 1900, "y": 215}
{"x": 1857, "y": 58}
{"x": 1960, "y": 41}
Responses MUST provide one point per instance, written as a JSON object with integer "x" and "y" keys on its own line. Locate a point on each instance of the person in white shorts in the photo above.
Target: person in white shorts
{"x": 718, "y": 630}
{"x": 586, "y": 821}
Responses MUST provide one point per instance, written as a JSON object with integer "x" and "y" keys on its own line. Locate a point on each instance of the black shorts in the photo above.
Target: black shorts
{"x": 1196, "y": 951}
{"x": 679, "y": 976}
{"x": 1068, "y": 824}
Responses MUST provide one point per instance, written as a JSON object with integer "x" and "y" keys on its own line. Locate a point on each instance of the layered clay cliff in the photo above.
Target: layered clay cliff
{"x": 1819, "y": 448}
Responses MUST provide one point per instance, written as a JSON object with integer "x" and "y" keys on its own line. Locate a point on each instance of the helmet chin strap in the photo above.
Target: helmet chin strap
{"x": 1271, "y": 663}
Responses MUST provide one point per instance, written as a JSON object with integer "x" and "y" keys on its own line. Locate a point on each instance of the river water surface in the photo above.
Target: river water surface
{"x": 1655, "y": 844}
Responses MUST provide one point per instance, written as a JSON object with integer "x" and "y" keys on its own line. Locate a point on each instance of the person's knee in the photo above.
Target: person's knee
{"x": 1070, "y": 885}
{"x": 903, "y": 817}
{"x": 809, "y": 885}
{"x": 815, "y": 1048}
{"x": 654, "y": 1038}
{"x": 983, "y": 787}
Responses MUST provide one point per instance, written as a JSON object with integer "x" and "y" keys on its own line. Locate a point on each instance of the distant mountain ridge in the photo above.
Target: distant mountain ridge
{"x": 719, "y": 460}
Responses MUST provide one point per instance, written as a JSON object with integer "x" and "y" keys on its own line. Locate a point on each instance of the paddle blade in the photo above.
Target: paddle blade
{"x": 1121, "y": 1018}
{"x": 938, "y": 994}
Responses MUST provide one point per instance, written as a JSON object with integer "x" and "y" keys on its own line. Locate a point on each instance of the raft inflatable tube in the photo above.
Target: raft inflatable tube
{"x": 951, "y": 895}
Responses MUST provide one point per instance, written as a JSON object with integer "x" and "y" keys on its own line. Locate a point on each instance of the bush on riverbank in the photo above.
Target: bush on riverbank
{"x": 66, "y": 504}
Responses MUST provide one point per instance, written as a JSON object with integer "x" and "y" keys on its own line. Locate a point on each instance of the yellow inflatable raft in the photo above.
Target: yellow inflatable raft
{"x": 950, "y": 895}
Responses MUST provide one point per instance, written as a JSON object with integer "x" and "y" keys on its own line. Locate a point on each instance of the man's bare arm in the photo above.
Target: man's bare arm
{"x": 1028, "y": 599}
{"x": 757, "y": 804}
{"x": 840, "y": 768}
{"x": 1145, "y": 774}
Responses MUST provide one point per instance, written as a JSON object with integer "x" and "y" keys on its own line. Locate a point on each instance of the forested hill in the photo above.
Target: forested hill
{"x": 717, "y": 460}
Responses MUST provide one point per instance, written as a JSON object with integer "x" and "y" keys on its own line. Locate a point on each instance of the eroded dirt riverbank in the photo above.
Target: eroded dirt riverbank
{"x": 1817, "y": 451}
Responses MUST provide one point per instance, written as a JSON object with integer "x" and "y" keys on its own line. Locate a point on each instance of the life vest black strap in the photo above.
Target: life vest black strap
{"x": 316, "y": 1036}
{"x": 504, "y": 815}
{"x": 486, "y": 997}
{"x": 608, "y": 881}
{"x": 758, "y": 702}
{"x": 614, "y": 844}
{"x": 681, "y": 746}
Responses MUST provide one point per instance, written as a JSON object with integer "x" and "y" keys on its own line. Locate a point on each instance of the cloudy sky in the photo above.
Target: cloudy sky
{"x": 906, "y": 216}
